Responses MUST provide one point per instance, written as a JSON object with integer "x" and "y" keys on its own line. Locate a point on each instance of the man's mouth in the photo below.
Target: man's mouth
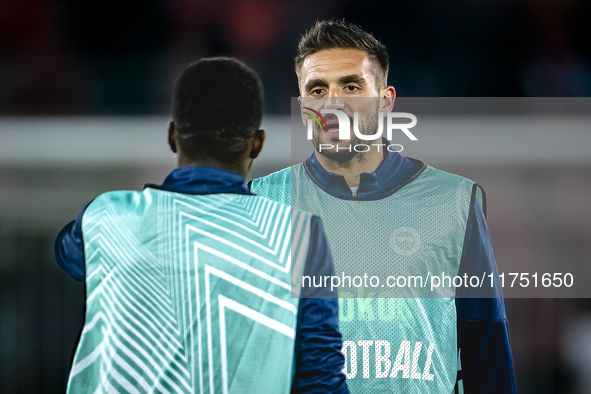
{"x": 333, "y": 125}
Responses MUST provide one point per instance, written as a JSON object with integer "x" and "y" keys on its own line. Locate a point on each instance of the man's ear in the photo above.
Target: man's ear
{"x": 258, "y": 141}
{"x": 388, "y": 96}
{"x": 172, "y": 137}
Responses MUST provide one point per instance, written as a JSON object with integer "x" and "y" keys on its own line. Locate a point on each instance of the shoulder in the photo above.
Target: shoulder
{"x": 447, "y": 182}
{"x": 444, "y": 177}
{"x": 122, "y": 201}
{"x": 280, "y": 177}
{"x": 118, "y": 197}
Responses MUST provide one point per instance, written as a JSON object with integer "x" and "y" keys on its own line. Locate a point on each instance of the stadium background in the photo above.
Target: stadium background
{"x": 85, "y": 97}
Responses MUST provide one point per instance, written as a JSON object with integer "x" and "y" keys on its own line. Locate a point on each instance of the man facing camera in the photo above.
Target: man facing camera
{"x": 389, "y": 217}
{"x": 193, "y": 285}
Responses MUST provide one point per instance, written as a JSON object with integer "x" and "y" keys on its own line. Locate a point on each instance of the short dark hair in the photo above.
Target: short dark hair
{"x": 338, "y": 34}
{"x": 218, "y": 105}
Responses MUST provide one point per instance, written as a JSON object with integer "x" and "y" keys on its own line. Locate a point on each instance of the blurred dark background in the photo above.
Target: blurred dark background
{"x": 110, "y": 62}
{"x": 111, "y": 57}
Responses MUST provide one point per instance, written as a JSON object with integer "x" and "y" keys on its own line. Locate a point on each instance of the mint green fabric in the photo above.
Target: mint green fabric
{"x": 189, "y": 294}
{"x": 393, "y": 341}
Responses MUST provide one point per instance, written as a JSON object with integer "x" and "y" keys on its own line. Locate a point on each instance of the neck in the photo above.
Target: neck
{"x": 240, "y": 168}
{"x": 351, "y": 170}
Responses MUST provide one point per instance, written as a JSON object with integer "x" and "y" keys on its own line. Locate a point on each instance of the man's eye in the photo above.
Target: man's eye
{"x": 351, "y": 88}
{"x": 317, "y": 91}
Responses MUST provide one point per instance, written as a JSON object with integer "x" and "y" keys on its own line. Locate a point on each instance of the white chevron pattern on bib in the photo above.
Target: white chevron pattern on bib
{"x": 189, "y": 293}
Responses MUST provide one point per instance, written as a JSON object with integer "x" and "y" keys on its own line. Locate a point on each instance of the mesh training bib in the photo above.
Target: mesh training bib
{"x": 391, "y": 343}
{"x": 189, "y": 294}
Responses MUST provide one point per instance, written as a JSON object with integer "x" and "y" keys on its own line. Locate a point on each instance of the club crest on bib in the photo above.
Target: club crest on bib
{"x": 405, "y": 241}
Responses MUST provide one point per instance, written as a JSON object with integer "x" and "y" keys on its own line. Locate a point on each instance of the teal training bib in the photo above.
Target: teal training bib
{"x": 189, "y": 294}
{"x": 395, "y": 343}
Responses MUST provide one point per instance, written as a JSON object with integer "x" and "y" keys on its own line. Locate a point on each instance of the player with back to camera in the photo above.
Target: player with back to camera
{"x": 383, "y": 211}
{"x": 189, "y": 283}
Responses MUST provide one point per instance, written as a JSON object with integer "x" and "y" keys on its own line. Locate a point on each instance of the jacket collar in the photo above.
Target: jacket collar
{"x": 202, "y": 180}
{"x": 395, "y": 172}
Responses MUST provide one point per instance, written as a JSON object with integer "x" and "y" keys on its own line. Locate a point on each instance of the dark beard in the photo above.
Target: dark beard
{"x": 368, "y": 125}
{"x": 340, "y": 156}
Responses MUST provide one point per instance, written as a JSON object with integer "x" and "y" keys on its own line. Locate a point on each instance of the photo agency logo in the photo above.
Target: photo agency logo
{"x": 337, "y": 124}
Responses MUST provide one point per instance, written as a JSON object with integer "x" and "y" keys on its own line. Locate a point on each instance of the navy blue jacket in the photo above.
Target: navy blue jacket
{"x": 318, "y": 358}
{"x": 483, "y": 332}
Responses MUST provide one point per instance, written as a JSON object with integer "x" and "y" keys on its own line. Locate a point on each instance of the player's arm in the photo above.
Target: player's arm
{"x": 69, "y": 248}
{"x": 318, "y": 357}
{"x": 483, "y": 332}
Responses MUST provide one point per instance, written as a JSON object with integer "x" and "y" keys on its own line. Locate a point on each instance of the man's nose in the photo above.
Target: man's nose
{"x": 333, "y": 101}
